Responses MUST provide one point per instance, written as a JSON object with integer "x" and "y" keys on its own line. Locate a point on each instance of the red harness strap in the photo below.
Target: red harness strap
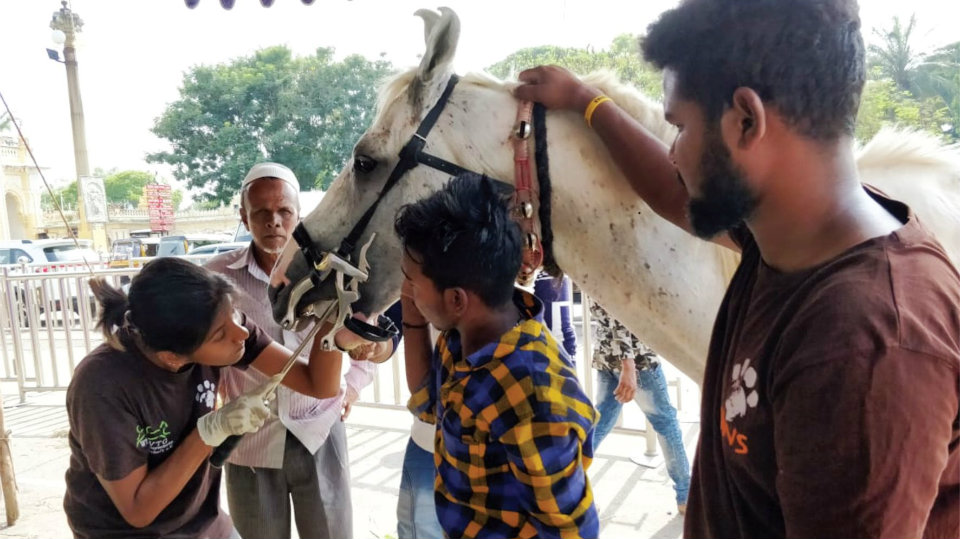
{"x": 526, "y": 198}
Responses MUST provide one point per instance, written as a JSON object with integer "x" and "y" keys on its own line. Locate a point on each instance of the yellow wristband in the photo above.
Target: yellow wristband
{"x": 592, "y": 107}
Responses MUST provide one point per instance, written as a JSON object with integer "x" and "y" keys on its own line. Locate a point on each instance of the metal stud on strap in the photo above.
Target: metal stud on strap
{"x": 523, "y": 130}
{"x": 528, "y": 210}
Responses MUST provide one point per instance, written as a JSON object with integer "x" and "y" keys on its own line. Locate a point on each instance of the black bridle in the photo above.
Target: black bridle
{"x": 411, "y": 156}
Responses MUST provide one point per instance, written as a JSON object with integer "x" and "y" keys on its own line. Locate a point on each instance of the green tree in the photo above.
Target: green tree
{"x": 303, "y": 112}
{"x": 5, "y": 122}
{"x": 927, "y": 82}
{"x": 66, "y": 197}
{"x": 894, "y": 56}
{"x": 884, "y": 103}
{"x": 939, "y": 76}
{"x": 125, "y": 188}
{"x": 176, "y": 197}
{"x": 622, "y": 58}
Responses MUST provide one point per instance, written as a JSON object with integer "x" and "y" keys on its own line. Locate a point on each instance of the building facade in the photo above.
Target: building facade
{"x": 20, "y": 188}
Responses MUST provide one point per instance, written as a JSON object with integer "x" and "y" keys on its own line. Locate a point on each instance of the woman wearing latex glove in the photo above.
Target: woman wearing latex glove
{"x": 141, "y": 405}
{"x": 241, "y": 415}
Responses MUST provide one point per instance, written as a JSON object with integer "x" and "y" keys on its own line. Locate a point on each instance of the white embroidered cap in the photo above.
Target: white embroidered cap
{"x": 271, "y": 170}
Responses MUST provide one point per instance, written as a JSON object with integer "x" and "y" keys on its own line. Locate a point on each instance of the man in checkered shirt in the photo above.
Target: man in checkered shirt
{"x": 514, "y": 427}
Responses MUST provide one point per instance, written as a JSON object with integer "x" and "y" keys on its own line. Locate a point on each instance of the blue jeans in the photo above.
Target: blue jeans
{"x": 654, "y": 401}
{"x": 416, "y": 509}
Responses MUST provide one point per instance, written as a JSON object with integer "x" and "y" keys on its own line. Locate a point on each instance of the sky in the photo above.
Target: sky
{"x": 132, "y": 53}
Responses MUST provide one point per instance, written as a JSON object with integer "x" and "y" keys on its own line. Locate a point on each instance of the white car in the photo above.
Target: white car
{"x": 217, "y": 248}
{"x": 54, "y": 252}
{"x": 46, "y": 251}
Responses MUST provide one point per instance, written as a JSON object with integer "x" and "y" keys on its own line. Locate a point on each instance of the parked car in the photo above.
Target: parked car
{"x": 48, "y": 296}
{"x": 181, "y": 245}
{"x": 242, "y": 234}
{"x": 217, "y": 248}
{"x": 46, "y": 251}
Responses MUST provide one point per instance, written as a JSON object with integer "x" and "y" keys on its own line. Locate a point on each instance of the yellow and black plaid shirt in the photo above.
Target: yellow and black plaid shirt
{"x": 514, "y": 435}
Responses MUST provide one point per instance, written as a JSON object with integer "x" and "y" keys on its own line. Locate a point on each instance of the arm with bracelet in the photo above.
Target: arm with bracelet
{"x": 643, "y": 159}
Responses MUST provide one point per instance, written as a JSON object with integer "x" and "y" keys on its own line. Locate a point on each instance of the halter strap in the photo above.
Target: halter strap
{"x": 526, "y": 197}
{"x": 411, "y": 155}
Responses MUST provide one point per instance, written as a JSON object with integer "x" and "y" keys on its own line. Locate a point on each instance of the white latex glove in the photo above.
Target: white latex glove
{"x": 241, "y": 415}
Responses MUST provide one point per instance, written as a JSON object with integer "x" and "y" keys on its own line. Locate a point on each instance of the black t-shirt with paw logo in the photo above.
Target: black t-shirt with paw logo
{"x": 830, "y": 397}
{"x": 125, "y": 412}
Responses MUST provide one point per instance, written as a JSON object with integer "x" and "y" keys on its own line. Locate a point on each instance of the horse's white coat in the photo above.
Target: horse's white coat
{"x": 664, "y": 284}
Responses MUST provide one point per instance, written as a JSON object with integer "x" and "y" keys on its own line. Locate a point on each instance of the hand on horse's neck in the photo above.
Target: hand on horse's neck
{"x": 814, "y": 212}
{"x": 487, "y": 326}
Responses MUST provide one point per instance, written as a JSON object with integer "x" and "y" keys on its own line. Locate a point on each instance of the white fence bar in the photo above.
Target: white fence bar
{"x": 47, "y": 322}
{"x": 48, "y": 318}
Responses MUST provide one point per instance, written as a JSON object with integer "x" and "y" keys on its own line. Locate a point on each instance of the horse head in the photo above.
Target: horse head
{"x": 365, "y": 186}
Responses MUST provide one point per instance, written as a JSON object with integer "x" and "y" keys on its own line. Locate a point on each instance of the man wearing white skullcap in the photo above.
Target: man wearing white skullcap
{"x": 299, "y": 456}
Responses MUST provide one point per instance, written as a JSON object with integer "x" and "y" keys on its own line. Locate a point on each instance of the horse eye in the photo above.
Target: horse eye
{"x": 364, "y": 164}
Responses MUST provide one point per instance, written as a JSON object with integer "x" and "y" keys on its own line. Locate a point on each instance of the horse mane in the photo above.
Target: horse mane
{"x": 643, "y": 109}
{"x": 892, "y": 147}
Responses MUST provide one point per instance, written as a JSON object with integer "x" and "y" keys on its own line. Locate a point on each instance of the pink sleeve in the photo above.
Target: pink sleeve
{"x": 360, "y": 375}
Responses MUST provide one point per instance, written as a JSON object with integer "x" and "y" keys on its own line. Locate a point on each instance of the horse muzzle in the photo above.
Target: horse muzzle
{"x": 293, "y": 305}
{"x": 294, "y": 302}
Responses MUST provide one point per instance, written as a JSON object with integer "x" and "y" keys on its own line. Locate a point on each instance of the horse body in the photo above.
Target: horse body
{"x": 914, "y": 168}
{"x": 662, "y": 283}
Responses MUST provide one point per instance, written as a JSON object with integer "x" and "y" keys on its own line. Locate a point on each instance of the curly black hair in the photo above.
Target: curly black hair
{"x": 805, "y": 57}
{"x": 464, "y": 237}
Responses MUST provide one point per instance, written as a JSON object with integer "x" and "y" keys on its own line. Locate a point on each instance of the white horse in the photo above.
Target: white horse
{"x": 664, "y": 284}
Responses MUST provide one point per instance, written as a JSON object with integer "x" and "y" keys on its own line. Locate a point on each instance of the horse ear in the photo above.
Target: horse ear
{"x": 441, "y": 33}
{"x": 430, "y": 18}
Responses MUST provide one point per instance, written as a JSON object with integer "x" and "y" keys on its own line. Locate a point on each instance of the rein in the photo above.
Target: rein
{"x": 531, "y": 210}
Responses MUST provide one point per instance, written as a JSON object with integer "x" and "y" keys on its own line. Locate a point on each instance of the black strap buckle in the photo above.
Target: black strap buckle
{"x": 383, "y": 331}
{"x": 310, "y": 252}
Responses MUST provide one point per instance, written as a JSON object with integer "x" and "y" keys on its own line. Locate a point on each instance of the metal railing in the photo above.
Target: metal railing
{"x": 48, "y": 319}
{"x": 47, "y": 323}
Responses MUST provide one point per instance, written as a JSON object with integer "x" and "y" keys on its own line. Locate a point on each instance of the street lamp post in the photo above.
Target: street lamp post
{"x": 66, "y": 25}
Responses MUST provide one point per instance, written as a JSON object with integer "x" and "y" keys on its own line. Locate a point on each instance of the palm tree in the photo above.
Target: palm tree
{"x": 894, "y": 56}
{"x": 939, "y": 75}
{"x": 932, "y": 79}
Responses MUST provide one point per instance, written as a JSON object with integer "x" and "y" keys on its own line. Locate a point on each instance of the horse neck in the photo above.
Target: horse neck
{"x": 658, "y": 280}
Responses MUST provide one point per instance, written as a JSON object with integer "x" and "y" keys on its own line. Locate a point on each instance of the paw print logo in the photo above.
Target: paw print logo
{"x": 207, "y": 393}
{"x": 742, "y": 392}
